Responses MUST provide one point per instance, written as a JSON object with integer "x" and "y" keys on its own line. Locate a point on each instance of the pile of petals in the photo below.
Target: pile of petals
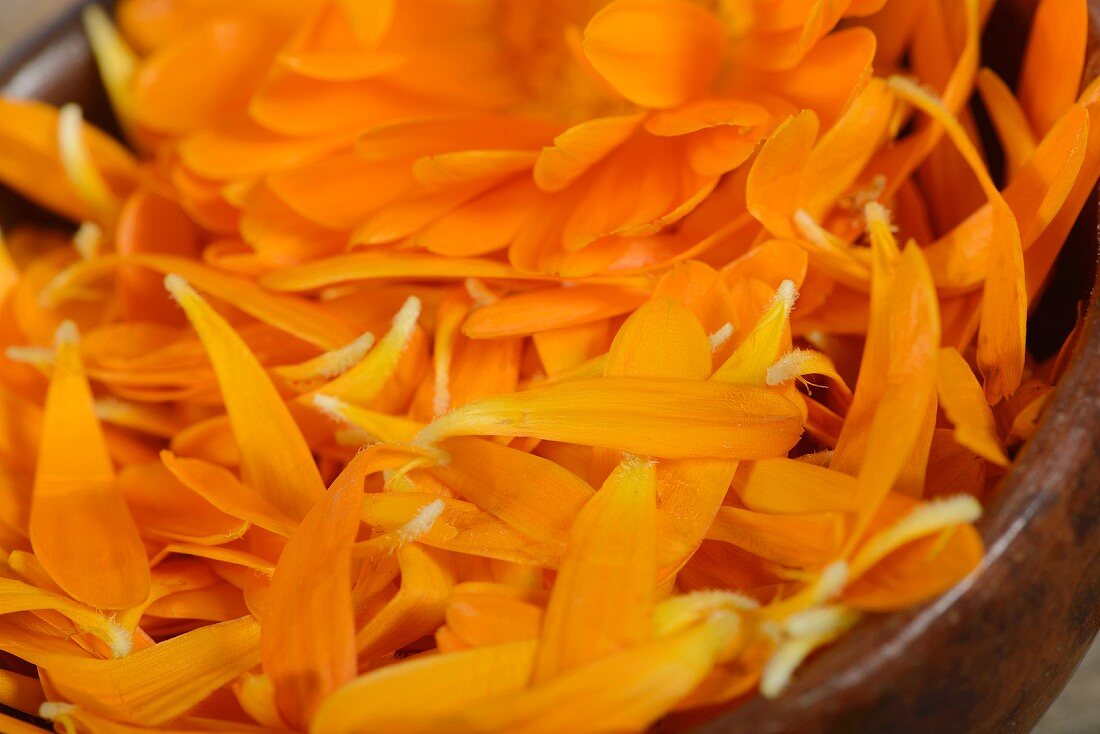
{"x": 512, "y": 366}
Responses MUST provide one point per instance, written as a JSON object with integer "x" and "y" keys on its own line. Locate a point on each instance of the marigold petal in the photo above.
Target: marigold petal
{"x": 275, "y": 459}
{"x": 656, "y": 53}
{"x": 645, "y": 416}
{"x": 308, "y": 636}
{"x": 603, "y": 596}
{"x": 80, "y": 527}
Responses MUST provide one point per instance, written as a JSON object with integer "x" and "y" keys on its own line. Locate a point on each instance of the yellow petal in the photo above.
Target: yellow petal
{"x": 603, "y": 597}
{"x": 393, "y": 698}
{"x": 115, "y": 59}
{"x": 275, "y": 460}
{"x": 544, "y": 505}
{"x": 634, "y": 688}
{"x": 749, "y": 363}
{"x": 646, "y": 416}
{"x": 80, "y": 166}
{"x": 155, "y": 685}
{"x": 363, "y": 382}
{"x": 661, "y": 339}
{"x": 965, "y": 406}
{"x": 16, "y": 596}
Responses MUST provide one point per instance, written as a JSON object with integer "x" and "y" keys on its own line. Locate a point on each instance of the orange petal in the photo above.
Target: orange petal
{"x": 964, "y": 404}
{"x": 603, "y": 596}
{"x": 568, "y": 348}
{"x": 798, "y": 541}
{"x": 490, "y": 614}
{"x": 166, "y": 509}
{"x": 900, "y": 416}
{"x": 579, "y": 148}
{"x": 378, "y": 265}
{"x": 418, "y": 608}
{"x": 1059, "y": 32}
{"x": 1009, "y": 119}
{"x": 308, "y": 637}
{"x": 647, "y": 416}
{"x": 544, "y": 506}
{"x": 552, "y": 308}
{"x": 656, "y": 53}
{"x": 20, "y": 692}
{"x": 842, "y": 152}
{"x": 79, "y": 525}
{"x": 427, "y": 686}
{"x": 787, "y": 486}
{"x": 223, "y": 490}
{"x": 275, "y": 460}
{"x": 458, "y": 526}
{"x": 661, "y": 339}
{"x": 155, "y": 685}
{"x": 227, "y": 52}
{"x": 773, "y": 183}
{"x": 31, "y": 163}
{"x": 636, "y": 687}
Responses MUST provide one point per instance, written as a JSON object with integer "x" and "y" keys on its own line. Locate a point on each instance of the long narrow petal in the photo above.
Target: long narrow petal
{"x": 899, "y": 418}
{"x": 308, "y": 637}
{"x": 552, "y": 308}
{"x": 603, "y": 597}
{"x": 223, "y": 490}
{"x": 645, "y": 416}
{"x": 793, "y": 540}
{"x": 1001, "y": 337}
{"x": 963, "y": 402}
{"x": 275, "y": 460}
{"x": 534, "y": 495}
{"x": 635, "y": 687}
{"x": 155, "y": 685}
{"x": 80, "y": 527}
{"x": 1059, "y": 34}
{"x": 428, "y": 686}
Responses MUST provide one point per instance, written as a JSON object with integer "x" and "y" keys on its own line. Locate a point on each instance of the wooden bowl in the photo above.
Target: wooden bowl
{"x": 992, "y": 653}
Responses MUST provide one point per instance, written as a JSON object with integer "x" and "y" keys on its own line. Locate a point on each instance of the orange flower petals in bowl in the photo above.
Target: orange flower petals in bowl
{"x": 549, "y": 366}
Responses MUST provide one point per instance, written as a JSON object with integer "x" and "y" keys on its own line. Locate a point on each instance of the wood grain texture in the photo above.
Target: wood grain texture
{"x": 987, "y": 657}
